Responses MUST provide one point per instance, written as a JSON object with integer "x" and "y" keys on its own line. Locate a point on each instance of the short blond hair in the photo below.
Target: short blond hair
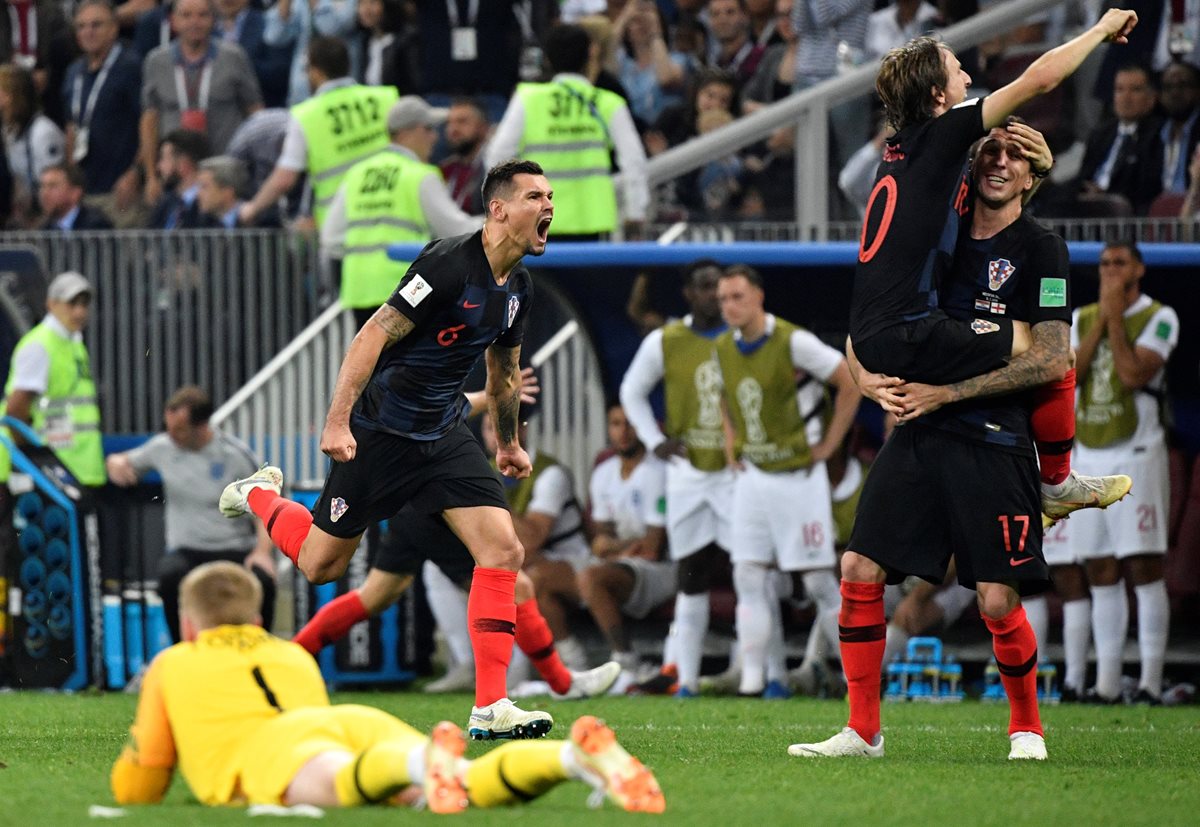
{"x": 220, "y": 593}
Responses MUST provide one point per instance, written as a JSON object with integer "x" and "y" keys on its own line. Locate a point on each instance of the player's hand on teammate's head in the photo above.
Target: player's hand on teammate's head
{"x": 918, "y": 400}
{"x": 338, "y": 443}
{"x": 1033, "y": 146}
{"x": 1117, "y": 24}
{"x": 529, "y": 386}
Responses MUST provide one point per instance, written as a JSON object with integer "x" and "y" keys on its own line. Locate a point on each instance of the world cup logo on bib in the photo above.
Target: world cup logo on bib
{"x": 750, "y": 400}
{"x": 708, "y": 393}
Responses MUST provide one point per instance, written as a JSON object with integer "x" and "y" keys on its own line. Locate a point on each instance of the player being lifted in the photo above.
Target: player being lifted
{"x": 396, "y": 434}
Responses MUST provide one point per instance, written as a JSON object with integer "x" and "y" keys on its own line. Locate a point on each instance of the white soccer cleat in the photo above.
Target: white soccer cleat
{"x": 503, "y": 719}
{"x": 233, "y": 502}
{"x": 593, "y": 682}
{"x": 460, "y": 678}
{"x": 1079, "y": 491}
{"x": 846, "y": 743}
{"x": 443, "y": 787}
{"x": 613, "y": 772}
{"x": 1027, "y": 746}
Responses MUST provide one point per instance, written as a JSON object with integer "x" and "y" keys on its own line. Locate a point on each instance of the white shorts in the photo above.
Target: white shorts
{"x": 698, "y": 508}
{"x": 1138, "y": 524}
{"x": 653, "y": 585}
{"x": 784, "y": 519}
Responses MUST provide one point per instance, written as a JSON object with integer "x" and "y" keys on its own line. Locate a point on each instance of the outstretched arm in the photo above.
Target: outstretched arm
{"x": 1046, "y": 361}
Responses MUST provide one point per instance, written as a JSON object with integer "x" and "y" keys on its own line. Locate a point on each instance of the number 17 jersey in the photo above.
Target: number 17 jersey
{"x": 908, "y": 237}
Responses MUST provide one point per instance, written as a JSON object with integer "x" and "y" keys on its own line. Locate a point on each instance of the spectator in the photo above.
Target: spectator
{"x": 1171, "y": 149}
{"x": 239, "y": 22}
{"x": 386, "y": 46}
{"x": 776, "y": 74}
{"x": 1191, "y": 201}
{"x": 629, "y": 510}
{"x": 395, "y": 195}
{"x": 61, "y": 198}
{"x": 764, "y": 23}
{"x": 294, "y": 24}
{"x": 41, "y": 44}
{"x": 179, "y": 157}
{"x": 568, "y": 126}
{"x": 219, "y": 182}
{"x": 50, "y": 383}
{"x": 857, "y": 177}
{"x": 897, "y": 24}
{"x": 467, "y": 130}
{"x": 731, "y": 48}
{"x": 652, "y": 75}
{"x": 326, "y": 147}
{"x": 470, "y": 48}
{"x": 32, "y": 142}
{"x": 1122, "y": 346}
{"x": 603, "y": 73}
{"x": 198, "y": 82}
{"x": 152, "y": 29}
{"x": 195, "y": 462}
{"x": 258, "y": 143}
{"x": 1115, "y": 160}
{"x": 102, "y": 98}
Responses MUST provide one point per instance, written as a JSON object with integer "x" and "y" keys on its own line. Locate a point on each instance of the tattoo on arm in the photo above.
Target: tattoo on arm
{"x": 394, "y": 323}
{"x": 1036, "y": 366}
{"x": 504, "y": 390}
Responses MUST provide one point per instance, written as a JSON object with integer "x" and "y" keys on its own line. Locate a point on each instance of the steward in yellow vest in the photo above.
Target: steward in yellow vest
{"x": 392, "y": 197}
{"x": 50, "y": 384}
{"x": 341, "y": 124}
{"x": 569, "y": 126}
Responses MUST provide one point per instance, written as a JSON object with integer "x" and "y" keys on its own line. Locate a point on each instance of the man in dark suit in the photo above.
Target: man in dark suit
{"x": 1174, "y": 143}
{"x": 1116, "y": 157}
{"x": 179, "y": 157}
{"x": 45, "y": 52}
{"x": 60, "y": 193}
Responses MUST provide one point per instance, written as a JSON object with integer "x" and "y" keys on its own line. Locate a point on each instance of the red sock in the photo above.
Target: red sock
{"x": 862, "y": 628}
{"x": 1016, "y": 657}
{"x": 331, "y": 622}
{"x": 287, "y": 522}
{"x": 1053, "y": 421}
{"x": 491, "y": 622}
{"x": 536, "y": 641}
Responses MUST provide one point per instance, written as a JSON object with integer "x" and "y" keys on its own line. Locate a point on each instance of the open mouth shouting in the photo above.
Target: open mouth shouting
{"x": 543, "y": 227}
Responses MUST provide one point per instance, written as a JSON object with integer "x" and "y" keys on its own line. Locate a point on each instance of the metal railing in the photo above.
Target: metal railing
{"x": 182, "y": 307}
{"x": 280, "y": 412}
{"x": 809, "y": 112}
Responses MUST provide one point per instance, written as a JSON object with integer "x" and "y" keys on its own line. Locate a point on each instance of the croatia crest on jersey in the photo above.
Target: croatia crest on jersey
{"x": 514, "y": 304}
{"x": 337, "y": 508}
{"x": 999, "y": 271}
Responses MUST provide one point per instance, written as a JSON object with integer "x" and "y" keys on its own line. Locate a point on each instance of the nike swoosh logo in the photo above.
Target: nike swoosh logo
{"x": 1015, "y": 563}
{"x": 479, "y": 716}
{"x": 469, "y": 306}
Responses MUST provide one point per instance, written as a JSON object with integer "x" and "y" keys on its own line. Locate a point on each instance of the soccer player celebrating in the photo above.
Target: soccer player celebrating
{"x": 246, "y": 719}
{"x": 396, "y": 434}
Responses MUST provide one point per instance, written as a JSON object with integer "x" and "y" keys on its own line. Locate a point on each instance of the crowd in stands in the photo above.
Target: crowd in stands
{"x": 124, "y": 88}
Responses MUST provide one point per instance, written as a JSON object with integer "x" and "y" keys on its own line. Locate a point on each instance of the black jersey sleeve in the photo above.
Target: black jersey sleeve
{"x": 1048, "y": 280}
{"x": 432, "y": 282}
{"x": 515, "y": 334}
{"x": 952, "y": 133}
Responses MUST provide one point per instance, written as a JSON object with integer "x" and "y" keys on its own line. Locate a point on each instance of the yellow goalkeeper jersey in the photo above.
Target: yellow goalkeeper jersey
{"x": 201, "y": 701}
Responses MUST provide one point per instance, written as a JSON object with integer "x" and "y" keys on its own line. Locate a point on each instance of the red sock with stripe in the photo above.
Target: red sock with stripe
{"x": 1053, "y": 423}
{"x": 862, "y": 628}
{"x": 331, "y": 622}
{"x": 491, "y": 623}
{"x": 1016, "y": 658}
{"x": 537, "y": 642}
{"x": 287, "y": 522}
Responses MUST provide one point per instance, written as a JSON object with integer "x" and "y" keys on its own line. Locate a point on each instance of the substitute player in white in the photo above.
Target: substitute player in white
{"x": 774, "y": 376}
{"x": 691, "y": 441}
{"x": 1122, "y": 344}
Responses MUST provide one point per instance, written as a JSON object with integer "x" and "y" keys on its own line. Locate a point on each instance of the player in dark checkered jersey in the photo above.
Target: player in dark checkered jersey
{"x": 396, "y": 434}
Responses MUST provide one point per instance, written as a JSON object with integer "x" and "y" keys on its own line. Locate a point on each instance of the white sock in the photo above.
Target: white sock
{"x": 776, "y": 652}
{"x": 416, "y": 764}
{"x": 1110, "y": 626}
{"x": 448, "y": 603}
{"x": 1038, "y": 614}
{"x": 897, "y": 640}
{"x": 573, "y": 655}
{"x": 1077, "y": 635}
{"x": 671, "y": 647}
{"x": 1154, "y": 620}
{"x": 825, "y": 591}
{"x": 691, "y": 625}
{"x": 753, "y": 623}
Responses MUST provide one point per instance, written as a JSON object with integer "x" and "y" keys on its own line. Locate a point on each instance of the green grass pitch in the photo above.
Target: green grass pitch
{"x": 720, "y": 762}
